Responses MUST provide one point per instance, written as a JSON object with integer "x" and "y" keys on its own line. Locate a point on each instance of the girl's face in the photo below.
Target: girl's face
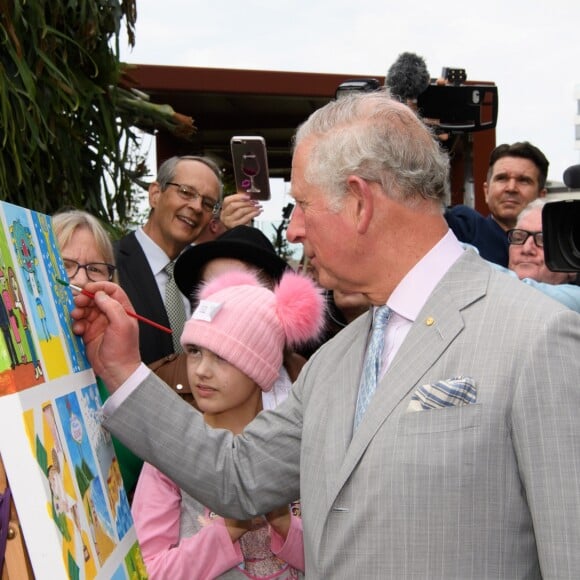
{"x": 222, "y": 392}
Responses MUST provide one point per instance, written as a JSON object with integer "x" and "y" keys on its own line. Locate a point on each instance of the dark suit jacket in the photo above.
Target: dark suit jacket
{"x": 482, "y": 232}
{"x": 138, "y": 281}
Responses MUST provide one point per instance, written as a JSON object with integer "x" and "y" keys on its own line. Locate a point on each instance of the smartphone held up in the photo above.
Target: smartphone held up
{"x": 250, "y": 163}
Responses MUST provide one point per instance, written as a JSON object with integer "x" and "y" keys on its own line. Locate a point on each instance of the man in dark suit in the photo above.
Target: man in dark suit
{"x": 183, "y": 199}
{"x": 516, "y": 176}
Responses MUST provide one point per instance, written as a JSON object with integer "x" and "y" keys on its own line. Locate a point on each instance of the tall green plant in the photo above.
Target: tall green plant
{"x": 66, "y": 124}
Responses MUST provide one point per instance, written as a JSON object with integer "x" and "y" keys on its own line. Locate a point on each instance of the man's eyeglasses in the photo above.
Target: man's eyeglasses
{"x": 96, "y": 271}
{"x": 189, "y": 194}
{"x": 519, "y": 237}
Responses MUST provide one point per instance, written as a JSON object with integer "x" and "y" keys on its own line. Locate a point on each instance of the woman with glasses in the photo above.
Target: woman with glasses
{"x": 85, "y": 247}
{"x": 87, "y": 253}
{"x": 526, "y": 248}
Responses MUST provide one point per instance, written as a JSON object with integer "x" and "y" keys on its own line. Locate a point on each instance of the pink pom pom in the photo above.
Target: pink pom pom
{"x": 300, "y": 308}
{"x": 226, "y": 280}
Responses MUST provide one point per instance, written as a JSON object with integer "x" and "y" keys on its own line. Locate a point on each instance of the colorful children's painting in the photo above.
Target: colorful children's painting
{"x": 60, "y": 462}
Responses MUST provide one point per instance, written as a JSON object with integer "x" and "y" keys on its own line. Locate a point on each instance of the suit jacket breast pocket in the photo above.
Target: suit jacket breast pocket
{"x": 440, "y": 446}
{"x": 440, "y": 420}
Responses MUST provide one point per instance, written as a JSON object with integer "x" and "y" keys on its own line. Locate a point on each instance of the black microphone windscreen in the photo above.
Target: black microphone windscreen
{"x": 408, "y": 76}
{"x": 572, "y": 177}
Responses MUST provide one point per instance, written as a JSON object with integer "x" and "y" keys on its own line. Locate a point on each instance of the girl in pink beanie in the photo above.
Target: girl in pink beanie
{"x": 234, "y": 343}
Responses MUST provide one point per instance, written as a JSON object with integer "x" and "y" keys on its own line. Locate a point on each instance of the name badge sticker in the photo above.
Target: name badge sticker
{"x": 206, "y": 310}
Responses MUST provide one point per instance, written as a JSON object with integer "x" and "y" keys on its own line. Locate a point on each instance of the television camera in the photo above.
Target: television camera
{"x": 449, "y": 103}
{"x": 561, "y": 225}
{"x": 453, "y": 107}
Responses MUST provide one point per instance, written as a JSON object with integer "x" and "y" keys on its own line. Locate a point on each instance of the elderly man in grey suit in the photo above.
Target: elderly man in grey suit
{"x": 466, "y": 463}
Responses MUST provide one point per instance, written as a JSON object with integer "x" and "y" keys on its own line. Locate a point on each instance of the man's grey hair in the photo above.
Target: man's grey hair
{"x": 538, "y": 203}
{"x": 374, "y": 137}
{"x": 166, "y": 172}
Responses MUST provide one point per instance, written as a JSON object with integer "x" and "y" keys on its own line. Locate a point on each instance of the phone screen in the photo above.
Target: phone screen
{"x": 250, "y": 163}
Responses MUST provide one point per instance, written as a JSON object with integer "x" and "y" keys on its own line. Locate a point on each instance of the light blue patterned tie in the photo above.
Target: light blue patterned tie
{"x": 372, "y": 363}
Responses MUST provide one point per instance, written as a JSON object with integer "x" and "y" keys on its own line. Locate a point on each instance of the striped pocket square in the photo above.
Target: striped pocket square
{"x": 449, "y": 393}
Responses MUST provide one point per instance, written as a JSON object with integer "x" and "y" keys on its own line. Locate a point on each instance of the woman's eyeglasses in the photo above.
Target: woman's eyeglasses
{"x": 96, "y": 271}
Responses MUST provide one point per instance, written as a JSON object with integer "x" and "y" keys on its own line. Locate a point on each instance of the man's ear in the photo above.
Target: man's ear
{"x": 213, "y": 225}
{"x": 543, "y": 192}
{"x": 362, "y": 201}
{"x": 154, "y": 193}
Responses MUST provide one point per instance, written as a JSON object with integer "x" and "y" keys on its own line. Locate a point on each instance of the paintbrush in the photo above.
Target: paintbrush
{"x": 129, "y": 312}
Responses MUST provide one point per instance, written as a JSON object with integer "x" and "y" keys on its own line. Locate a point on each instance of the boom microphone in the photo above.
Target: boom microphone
{"x": 572, "y": 177}
{"x": 408, "y": 77}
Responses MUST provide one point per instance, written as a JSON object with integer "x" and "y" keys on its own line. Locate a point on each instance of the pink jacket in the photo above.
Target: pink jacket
{"x": 201, "y": 548}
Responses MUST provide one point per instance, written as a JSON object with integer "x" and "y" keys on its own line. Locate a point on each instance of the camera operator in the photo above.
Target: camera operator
{"x": 526, "y": 251}
{"x": 527, "y": 261}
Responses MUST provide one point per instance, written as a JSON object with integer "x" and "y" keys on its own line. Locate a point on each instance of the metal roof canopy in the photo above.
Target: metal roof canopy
{"x": 228, "y": 102}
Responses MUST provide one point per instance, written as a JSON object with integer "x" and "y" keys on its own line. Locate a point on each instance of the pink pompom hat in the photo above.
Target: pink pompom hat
{"x": 249, "y": 325}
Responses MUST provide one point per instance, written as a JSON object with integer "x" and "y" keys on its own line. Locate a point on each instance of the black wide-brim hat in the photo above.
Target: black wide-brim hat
{"x": 243, "y": 243}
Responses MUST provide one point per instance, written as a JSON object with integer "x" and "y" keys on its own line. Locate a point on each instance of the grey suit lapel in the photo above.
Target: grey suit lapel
{"x": 438, "y": 324}
{"x": 341, "y": 406}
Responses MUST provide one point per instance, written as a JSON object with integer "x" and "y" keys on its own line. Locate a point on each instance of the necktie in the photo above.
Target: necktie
{"x": 174, "y": 306}
{"x": 372, "y": 363}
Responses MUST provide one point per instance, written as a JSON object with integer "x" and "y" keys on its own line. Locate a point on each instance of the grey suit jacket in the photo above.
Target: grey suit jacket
{"x": 485, "y": 490}
{"x": 138, "y": 281}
